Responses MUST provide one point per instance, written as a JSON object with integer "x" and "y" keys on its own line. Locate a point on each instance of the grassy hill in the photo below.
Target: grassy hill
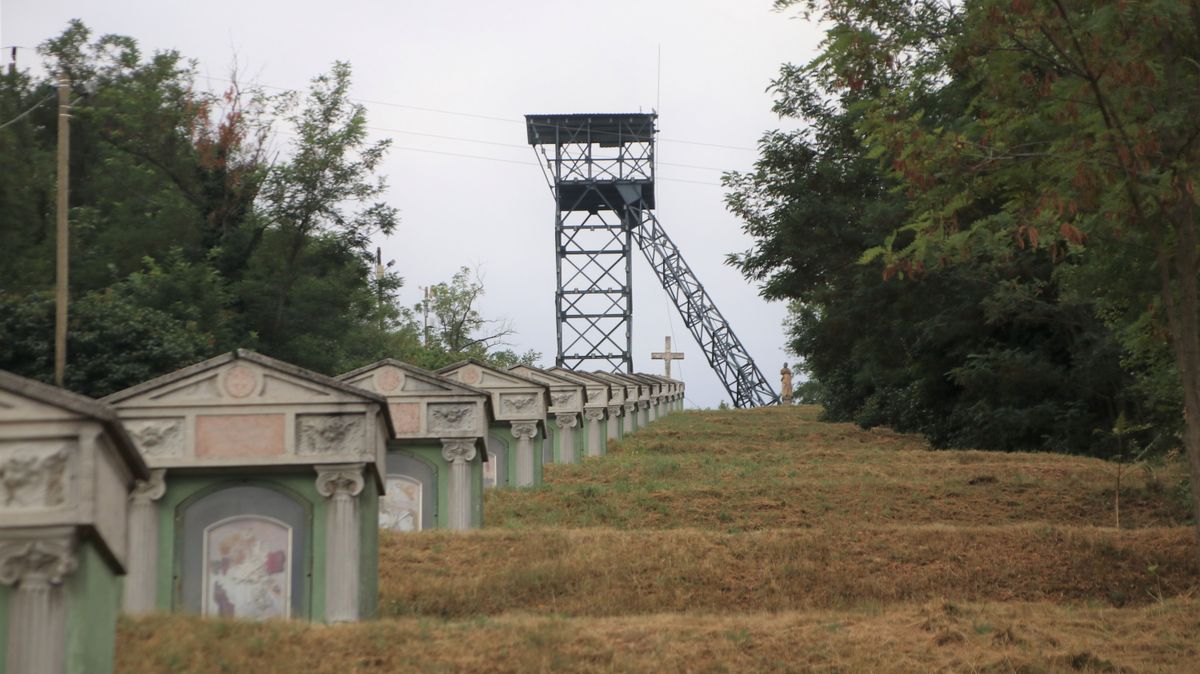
{"x": 763, "y": 540}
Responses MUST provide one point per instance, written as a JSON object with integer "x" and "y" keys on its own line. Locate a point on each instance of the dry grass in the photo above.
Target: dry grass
{"x": 601, "y": 572}
{"x": 934, "y": 636}
{"x": 763, "y": 541}
{"x": 779, "y": 468}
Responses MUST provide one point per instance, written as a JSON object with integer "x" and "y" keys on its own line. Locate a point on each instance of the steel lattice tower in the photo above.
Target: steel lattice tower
{"x": 602, "y": 177}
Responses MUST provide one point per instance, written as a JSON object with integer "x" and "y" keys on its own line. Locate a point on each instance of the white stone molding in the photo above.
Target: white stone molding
{"x": 341, "y": 484}
{"x": 594, "y": 417}
{"x": 459, "y": 452}
{"x": 37, "y": 606}
{"x": 631, "y": 417}
{"x": 524, "y": 432}
{"x": 566, "y": 435}
{"x": 614, "y": 411}
{"x": 141, "y": 571}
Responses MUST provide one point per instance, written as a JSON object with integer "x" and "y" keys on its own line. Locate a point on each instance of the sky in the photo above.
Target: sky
{"x": 470, "y": 70}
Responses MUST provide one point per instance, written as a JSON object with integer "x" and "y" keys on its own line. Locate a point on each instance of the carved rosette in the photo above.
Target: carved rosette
{"x": 594, "y": 415}
{"x": 456, "y": 450}
{"x": 147, "y": 491}
{"x": 344, "y": 480}
{"x": 524, "y": 430}
{"x": 614, "y": 410}
{"x": 566, "y": 421}
{"x": 43, "y": 561}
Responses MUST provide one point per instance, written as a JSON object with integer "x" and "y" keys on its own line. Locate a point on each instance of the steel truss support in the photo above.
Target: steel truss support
{"x": 602, "y": 176}
{"x": 724, "y": 351}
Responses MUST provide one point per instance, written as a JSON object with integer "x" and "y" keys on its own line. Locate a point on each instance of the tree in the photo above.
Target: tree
{"x": 457, "y": 330}
{"x": 985, "y": 354}
{"x": 1085, "y": 125}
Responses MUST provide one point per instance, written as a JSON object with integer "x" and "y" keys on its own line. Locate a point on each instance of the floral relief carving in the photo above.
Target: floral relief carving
{"x": 594, "y": 415}
{"x": 562, "y": 399}
{"x": 614, "y": 410}
{"x": 518, "y": 403}
{"x": 333, "y": 434}
{"x": 524, "y": 430}
{"x": 451, "y": 417}
{"x": 565, "y": 421}
{"x": 156, "y": 438}
{"x": 340, "y": 480}
{"x": 33, "y": 475}
{"x": 43, "y": 561}
{"x": 458, "y": 450}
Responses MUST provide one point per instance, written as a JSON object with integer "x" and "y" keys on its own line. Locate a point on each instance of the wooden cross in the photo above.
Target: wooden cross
{"x": 666, "y": 355}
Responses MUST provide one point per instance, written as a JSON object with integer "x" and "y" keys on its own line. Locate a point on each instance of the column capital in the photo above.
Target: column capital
{"x": 340, "y": 479}
{"x": 457, "y": 450}
{"x": 614, "y": 410}
{"x": 147, "y": 491}
{"x": 524, "y": 430}
{"x": 36, "y": 560}
{"x": 566, "y": 420}
{"x": 594, "y": 414}
{"x": 645, "y": 404}
{"x": 631, "y": 406}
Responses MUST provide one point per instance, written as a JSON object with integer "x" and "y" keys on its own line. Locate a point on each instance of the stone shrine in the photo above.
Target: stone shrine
{"x": 595, "y": 409}
{"x": 566, "y": 404}
{"x": 263, "y": 500}
{"x": 439, "y": 458}
{"x": 518, "y": 428}
{"x": 67, "y": 466}
{"x": 630, "y": 390}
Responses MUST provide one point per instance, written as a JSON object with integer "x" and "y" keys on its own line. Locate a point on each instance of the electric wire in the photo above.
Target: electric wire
{"x": 21, "y": 116}
{"x": 459, "y": 113}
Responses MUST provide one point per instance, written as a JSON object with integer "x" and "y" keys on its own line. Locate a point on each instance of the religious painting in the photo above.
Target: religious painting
{"x": 247, "y": 568}
{"x": 400, "y": 507}
{"x": 489, "y": 471}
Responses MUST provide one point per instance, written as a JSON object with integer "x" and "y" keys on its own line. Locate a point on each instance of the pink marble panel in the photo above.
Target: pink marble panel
{"x": 239, "y": 435}
{"x": 406, "y": 417}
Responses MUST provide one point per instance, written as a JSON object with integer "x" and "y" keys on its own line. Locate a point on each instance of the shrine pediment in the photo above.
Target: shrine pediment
{"x": 239, "y": 378}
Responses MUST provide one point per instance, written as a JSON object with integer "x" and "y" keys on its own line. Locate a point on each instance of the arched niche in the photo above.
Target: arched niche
{"x": 400, "y": 509}
{"x": 498, "y": 457}
{"x": 243, "y": 551}
{"x": 400, "y": 463}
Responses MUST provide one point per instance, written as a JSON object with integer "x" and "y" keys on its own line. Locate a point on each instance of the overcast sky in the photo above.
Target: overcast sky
{"x": 499, "y": 61}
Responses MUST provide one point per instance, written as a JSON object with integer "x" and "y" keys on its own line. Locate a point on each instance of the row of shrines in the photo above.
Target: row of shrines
{"x": 246, "y": 487}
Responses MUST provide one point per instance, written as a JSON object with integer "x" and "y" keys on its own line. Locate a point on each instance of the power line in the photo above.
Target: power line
{"x": 494, "y": 118}
{"x": 21, "y": 116}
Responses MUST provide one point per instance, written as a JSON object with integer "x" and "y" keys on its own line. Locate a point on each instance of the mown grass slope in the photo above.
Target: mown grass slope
{"x": 763, "y": 540}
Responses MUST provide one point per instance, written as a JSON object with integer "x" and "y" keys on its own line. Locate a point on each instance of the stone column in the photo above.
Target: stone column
{"x": 341, "y": 484}
{"x": 524, "y": 432}
{"x": 654, "y": 413}
{"x": 631, "y": 417}
{"x": 566, "y": 436}
{"x": 594, "y": 417}
{"x": 459, "y": 452}
{"x": 141, "y": 559}
{"x": 644, "y": 413}
{"x": 614, "y": 411}
{"x": 37, "y": 605}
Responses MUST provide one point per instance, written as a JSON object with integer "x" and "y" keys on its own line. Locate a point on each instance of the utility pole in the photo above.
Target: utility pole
{"x": 425, "y": 308}
{"x": 61, "y": 242}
